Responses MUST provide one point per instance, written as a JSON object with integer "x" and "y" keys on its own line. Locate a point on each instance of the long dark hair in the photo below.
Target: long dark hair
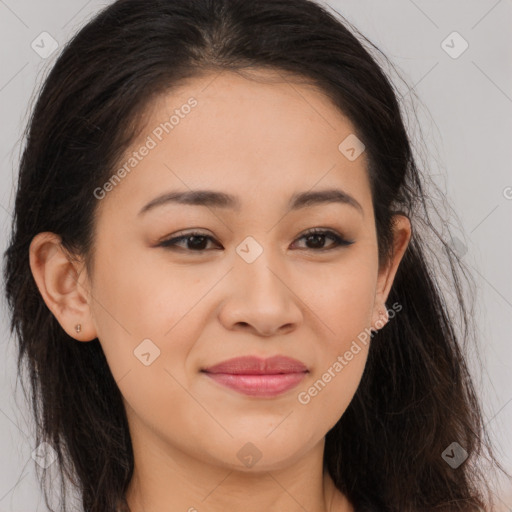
{"x": 416, "y": 396}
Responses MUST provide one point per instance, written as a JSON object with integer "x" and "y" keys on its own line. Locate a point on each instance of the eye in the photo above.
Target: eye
{"x": 317, "y": 237}
{"x": 197, "y": 242}
{"x": 194, "y": 241}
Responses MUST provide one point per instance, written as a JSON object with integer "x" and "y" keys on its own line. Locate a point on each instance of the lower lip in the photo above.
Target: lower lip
{"x": 259, "y": 385}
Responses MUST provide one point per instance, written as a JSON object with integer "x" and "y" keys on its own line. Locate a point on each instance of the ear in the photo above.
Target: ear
{"x": 63, "y": 284}
{"x": 401, "y": 237}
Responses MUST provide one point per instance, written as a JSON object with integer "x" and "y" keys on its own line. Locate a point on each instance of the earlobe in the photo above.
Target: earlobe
{"x": 57, "y": 279}
{"x": 381, "y": 320}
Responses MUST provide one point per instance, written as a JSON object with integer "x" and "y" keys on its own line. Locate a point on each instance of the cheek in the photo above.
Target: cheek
{"x": 341, "y": 297}
{"x": 340, "y": 362}
{"x": 137, "y": 296}
{"x": 144, "y": 331}
{"x": 126, "y": 311}
{"x": 344, "y": 309}
{"x": 332, "y": 387}
{"x": 146, "y": 320}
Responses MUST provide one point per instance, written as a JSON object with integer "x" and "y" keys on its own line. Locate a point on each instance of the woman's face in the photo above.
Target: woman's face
{"x": 252, "y": 282}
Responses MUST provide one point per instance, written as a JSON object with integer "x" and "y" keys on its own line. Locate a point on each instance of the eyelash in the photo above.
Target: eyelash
{"x": 339, "y": 241}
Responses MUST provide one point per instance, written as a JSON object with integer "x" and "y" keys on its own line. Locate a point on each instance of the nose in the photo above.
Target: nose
{"x": 260, "y": 297}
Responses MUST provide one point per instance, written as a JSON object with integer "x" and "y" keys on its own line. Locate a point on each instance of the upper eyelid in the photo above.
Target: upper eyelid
{"x": 310, "y": 231}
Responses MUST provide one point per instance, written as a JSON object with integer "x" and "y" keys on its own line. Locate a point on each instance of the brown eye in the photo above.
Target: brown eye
{"x": 316, "y": 239}
{"x": 195, "y": 242}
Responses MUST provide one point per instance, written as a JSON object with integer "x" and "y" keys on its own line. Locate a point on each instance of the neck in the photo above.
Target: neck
{"x": 166, "y": 478}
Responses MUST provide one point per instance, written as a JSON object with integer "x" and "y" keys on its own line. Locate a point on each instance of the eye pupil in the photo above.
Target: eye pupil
{"x": 194, "y": 244}
{"x": 316, "y": 237}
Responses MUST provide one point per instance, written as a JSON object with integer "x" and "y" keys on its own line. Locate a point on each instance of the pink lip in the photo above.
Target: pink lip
{"x": 258, "y": 377}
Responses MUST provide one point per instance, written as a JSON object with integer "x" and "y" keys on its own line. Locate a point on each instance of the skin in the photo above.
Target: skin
{"x": 261, "y": 141}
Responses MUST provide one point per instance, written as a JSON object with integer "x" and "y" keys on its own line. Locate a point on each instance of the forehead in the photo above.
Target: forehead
{"x": 264, "y": 135}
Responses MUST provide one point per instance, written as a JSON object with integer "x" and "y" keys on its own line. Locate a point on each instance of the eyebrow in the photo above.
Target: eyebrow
{"x": 211, "y": 198}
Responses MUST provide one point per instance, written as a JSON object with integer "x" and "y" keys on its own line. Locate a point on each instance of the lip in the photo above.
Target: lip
{"x": 255, "y": 376}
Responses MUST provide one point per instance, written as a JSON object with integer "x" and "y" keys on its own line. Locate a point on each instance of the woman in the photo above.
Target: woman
{"x": 221, "y": 273}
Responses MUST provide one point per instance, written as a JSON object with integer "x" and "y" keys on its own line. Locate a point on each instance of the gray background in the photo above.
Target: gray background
{"x": 466, "y": 120}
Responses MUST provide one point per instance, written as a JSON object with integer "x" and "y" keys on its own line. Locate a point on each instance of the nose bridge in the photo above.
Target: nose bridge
{"x": 256, "y": 266}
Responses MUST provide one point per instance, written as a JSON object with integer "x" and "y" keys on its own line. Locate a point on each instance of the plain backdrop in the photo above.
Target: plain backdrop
{"x": 466, "y": 119}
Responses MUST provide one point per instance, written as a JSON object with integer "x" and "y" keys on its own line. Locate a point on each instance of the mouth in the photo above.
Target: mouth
{"x": 258, "y": 377}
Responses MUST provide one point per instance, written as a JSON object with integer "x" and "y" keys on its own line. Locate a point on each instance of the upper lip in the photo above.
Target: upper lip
{"x": 252, "y": 365}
